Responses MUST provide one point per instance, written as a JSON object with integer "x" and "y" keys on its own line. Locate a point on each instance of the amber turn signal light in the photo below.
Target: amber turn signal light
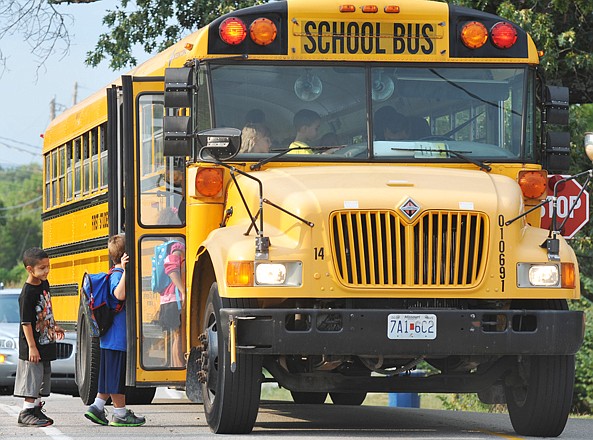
{"x": 533, "y": 183}
{"x": 568, "y": 276}
{"x": 239, "y": 273}
{"x": 209, "y": 182}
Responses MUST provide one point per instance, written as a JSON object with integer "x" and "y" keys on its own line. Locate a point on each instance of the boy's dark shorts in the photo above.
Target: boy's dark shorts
{"x": 112, "y": 373}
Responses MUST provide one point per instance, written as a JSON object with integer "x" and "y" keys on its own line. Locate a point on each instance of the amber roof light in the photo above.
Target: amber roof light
{"x": 263, "y": 31}
{"x": 474, "y": 34}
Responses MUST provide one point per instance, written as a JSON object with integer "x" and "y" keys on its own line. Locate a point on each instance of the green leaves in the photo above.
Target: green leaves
{"x": 154, "y": 25}
{"x": 20, "y": 218}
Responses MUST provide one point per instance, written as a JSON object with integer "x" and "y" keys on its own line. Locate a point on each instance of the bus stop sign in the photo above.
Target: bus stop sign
{"x": 568, "y": 195}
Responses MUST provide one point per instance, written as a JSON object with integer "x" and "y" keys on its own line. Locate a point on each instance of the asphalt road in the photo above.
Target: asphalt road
{"x": 173, "y": 417}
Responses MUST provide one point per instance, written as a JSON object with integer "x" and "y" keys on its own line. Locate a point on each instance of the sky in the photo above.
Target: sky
{"x": 26, "y": 91}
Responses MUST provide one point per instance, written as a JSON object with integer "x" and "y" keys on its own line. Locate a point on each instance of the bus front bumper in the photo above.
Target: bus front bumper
{"x": 365, "y": 332}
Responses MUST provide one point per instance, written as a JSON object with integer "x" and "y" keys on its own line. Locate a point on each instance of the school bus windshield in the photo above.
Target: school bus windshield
{"x": 381, "y": 113}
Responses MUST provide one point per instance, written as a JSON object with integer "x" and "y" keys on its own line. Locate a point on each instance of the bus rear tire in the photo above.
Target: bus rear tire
{"x": 87, "y": 359}
{"x": 231, "y": 399}
{"x": 540, "y": 404}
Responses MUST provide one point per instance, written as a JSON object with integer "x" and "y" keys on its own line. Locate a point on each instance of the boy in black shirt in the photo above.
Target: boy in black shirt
{"x": 37, "y": 340}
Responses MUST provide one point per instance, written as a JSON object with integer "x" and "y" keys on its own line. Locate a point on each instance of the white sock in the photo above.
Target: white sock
{"x": 99, "y": 403}
{"x": 28, "y": 405}
{"x": 120, "y": 412}
{"x": 37, "y": 401}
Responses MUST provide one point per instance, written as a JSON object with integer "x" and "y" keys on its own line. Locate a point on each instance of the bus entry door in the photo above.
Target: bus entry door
{"x": 155, "y": 237}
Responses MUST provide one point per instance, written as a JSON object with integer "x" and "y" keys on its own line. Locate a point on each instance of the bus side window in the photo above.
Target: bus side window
{"x": 162, "y": 179}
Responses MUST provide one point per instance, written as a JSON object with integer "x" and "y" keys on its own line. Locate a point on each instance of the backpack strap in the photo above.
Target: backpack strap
{"x": 120, "y": 304}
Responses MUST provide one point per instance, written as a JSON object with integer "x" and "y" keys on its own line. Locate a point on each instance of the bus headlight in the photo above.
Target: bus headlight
{"x": 278, "y": 273}
{"x": 538, "y": 275}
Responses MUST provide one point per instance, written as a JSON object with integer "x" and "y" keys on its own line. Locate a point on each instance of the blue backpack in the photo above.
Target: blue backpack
{"x": 160, "y": 280}
{"x": 95, "y": 287}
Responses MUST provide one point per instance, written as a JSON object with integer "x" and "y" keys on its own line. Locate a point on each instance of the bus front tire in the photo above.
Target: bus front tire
{"x": 87, "y": 359}
{"x": 231, "y": 399}
{"x": 539, "y": 395}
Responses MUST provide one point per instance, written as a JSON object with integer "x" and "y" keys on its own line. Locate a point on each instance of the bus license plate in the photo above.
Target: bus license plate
{"x": 411, "y": 326}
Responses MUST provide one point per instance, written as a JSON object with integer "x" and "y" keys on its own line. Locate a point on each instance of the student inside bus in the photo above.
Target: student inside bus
{"x": 306, "y": 123}
{"x": 418, "y": 127}
{"x": 390, "y": 125}
{"x": 255, "y": 138}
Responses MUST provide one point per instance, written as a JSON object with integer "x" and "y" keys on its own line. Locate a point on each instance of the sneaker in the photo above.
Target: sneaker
{"x": 28, "y": 417}
{"x": 97, "y": 416}
{"x": 130, "y": 419}
{"x": 40, "y": 412}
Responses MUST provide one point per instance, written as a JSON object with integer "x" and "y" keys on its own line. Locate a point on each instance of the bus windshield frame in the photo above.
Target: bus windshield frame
{"x": 485, "y": 112}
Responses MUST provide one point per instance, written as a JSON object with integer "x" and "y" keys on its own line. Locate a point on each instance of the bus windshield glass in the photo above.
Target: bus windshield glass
{"x": 353, "y": 113}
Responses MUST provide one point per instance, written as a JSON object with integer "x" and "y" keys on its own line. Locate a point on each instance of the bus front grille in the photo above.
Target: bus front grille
{"x": 439, "y": 249}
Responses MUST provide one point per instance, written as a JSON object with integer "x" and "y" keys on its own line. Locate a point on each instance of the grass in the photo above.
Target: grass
{"x": 271, "y": 391}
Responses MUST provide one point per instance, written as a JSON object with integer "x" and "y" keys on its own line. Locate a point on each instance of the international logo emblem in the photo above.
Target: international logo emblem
{"x": 409, "y": 208}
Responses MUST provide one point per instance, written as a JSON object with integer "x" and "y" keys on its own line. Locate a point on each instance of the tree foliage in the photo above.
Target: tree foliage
{"x": 154, "y": 25}
{"x": 20, "y": 218}
{"x": 40, "y": 25}
{"x": 560, "y": 28}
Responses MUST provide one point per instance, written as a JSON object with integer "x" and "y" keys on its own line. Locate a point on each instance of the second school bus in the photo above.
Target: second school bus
{"x": 341, "y": 270}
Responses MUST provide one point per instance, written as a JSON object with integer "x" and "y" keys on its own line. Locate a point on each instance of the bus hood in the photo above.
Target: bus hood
{"x": 313, "y": 191}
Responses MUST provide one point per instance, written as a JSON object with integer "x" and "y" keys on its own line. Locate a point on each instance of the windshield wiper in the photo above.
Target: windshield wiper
{"x": 257, "y": 166}
{"x": 457, "y": 154}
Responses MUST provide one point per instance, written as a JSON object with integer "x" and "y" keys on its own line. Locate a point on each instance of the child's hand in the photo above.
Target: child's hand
{"x": 124, "y": 260}
{"x": 34, "y": 355}
{"x": 59, "y": 333}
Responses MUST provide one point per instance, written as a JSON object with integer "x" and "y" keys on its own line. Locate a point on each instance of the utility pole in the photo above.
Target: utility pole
{"x": 75, "y": 94}
{"x": 53, "y": 107}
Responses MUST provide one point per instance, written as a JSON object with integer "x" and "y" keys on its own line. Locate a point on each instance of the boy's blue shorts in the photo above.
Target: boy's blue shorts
{"x": 112, "y": 372}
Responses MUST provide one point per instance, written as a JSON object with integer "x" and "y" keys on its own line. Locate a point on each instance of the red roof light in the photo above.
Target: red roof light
{"x": 504, "y": 35}
{"x": 232, "y": 31}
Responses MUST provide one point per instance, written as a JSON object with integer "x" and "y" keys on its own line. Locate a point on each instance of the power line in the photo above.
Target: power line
{"x": 20, "y": 142}
{"x": 21, "y": 213}
{"x": 29, "y": 202}
{"x": 19, "y": 149}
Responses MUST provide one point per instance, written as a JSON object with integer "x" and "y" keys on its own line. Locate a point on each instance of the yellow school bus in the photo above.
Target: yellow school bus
{"x": 387, "y": 221}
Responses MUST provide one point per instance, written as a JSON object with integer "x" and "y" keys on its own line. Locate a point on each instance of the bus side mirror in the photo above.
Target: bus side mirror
{"x": 556, "y": 104}
{"x": 557, "y": 152}
{"x": 178, "y": 135}
{"x": 220, "y": 143}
